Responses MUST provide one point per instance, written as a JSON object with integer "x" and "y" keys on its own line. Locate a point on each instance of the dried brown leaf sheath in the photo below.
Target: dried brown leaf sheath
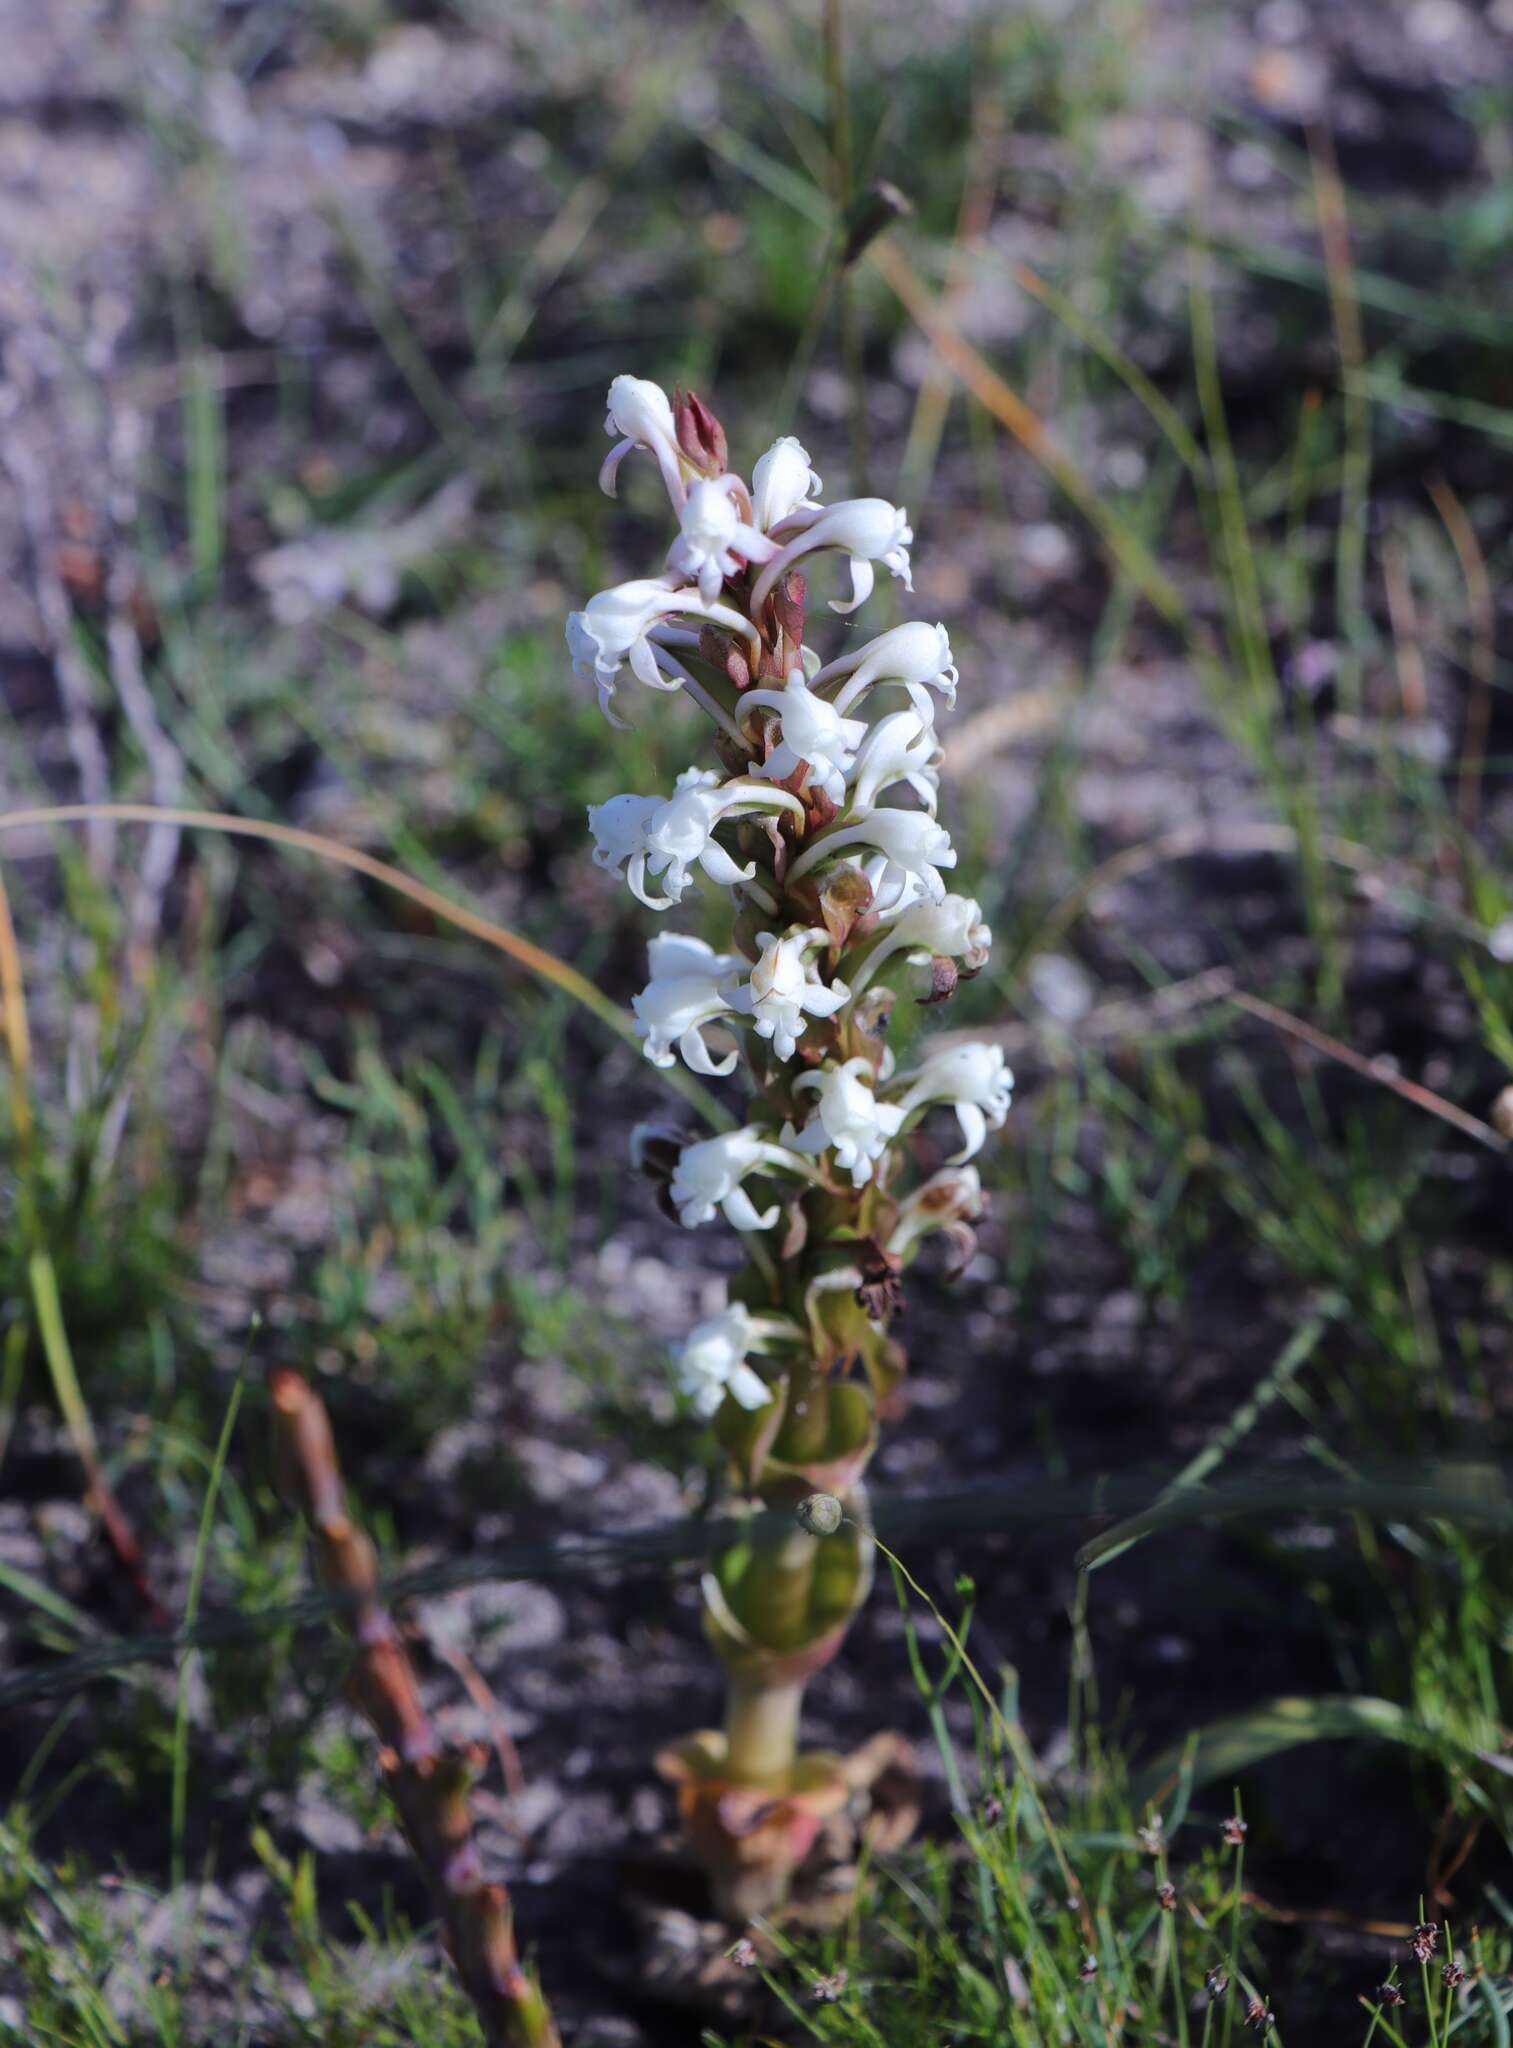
{"x": 427, "y": 1781}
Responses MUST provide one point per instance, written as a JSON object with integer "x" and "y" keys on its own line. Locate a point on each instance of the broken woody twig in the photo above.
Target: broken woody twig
{"x": 427, "y": 1780}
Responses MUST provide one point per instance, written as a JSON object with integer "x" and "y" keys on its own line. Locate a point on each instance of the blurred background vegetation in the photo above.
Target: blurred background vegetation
{"x": 1191, "y": 363}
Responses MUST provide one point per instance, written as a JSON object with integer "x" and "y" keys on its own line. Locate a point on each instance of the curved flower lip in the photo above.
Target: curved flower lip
{"x": 953, "y": 927}
{"x": 640, "y": 412}
{"x": 915, "y": 655}
{"x": 686, "y": 991}
{"x": 868, "y": 529}
{"x": 616, "y": 626}
{"x": 912, "y": 841}
{"x": 709, "y": 1174}
{"x": 900, "y": 748}
{"x": 974, "y": 1080}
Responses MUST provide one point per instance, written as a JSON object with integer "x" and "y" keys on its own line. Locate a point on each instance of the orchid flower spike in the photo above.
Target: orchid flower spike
{"x": 899, "y": 748}
{"x": 711, "y": 1361}
{"x": 913, "y": 843}
{"x": 868, "y": 529}
{"x": 686, "y": 992}
{"x": 640, "y": 414}
{"x": 785, "y": 987}
{"x": 670, "y": 838}
{"x": 709, "y": 1174}
{"x": 814, "y": 736}
{"x": 948, "y": 1200}
{"x": 976, "y": 1083}
{"x": 782, "y": 483}
{"x": 915, "y": 655}
{"x": 849, "y": 1118}
{"x": 617, "y": 626}
{"x": 715, "y": 541}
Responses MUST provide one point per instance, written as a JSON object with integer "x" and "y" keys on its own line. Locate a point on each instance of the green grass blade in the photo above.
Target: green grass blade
{"x": 33, "y": 1591}
{"x": 1227, "y": 1747}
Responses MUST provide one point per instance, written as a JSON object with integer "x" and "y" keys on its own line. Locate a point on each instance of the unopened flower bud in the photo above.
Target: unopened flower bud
{"x": 787, "y": 604}
{"x": 700, "y": 435}
{"x": 820, "y": 1513}
{"x": 783, "y": 483}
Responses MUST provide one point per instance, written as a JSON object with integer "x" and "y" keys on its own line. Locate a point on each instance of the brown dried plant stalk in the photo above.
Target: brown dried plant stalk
{"x": 427, "y": 1780}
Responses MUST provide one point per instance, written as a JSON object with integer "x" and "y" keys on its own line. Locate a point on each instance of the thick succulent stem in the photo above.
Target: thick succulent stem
{"x": 428, "y": 1782}
{"x": 762, "y": 1731}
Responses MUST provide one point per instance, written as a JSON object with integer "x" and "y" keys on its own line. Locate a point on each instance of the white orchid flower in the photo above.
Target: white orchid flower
{"x": 709, "y": 1174}
{"x": 953, "y": 927}
{"x": 849, "y": 1118}
{"x": 715, "y": 541}
{"x": 976, "y": 1083}
{"x": 912, "y": 841}
{"x": 686, "y": 992}
{"x": 711, "y": 1360}
{"x": 783, "y": 484}
{"x": 900, "y": 748}
{"x": 815, "y": 736}
{"x": 915, "y": 655}
{"x": 616, "y": 625}
{"x": 640, "y": 414}
{"x": 650, "y": 836}
{"x": 946, "y": 1200}
{"x": 868, "y": 529}
{"x": 785, "y": 987}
